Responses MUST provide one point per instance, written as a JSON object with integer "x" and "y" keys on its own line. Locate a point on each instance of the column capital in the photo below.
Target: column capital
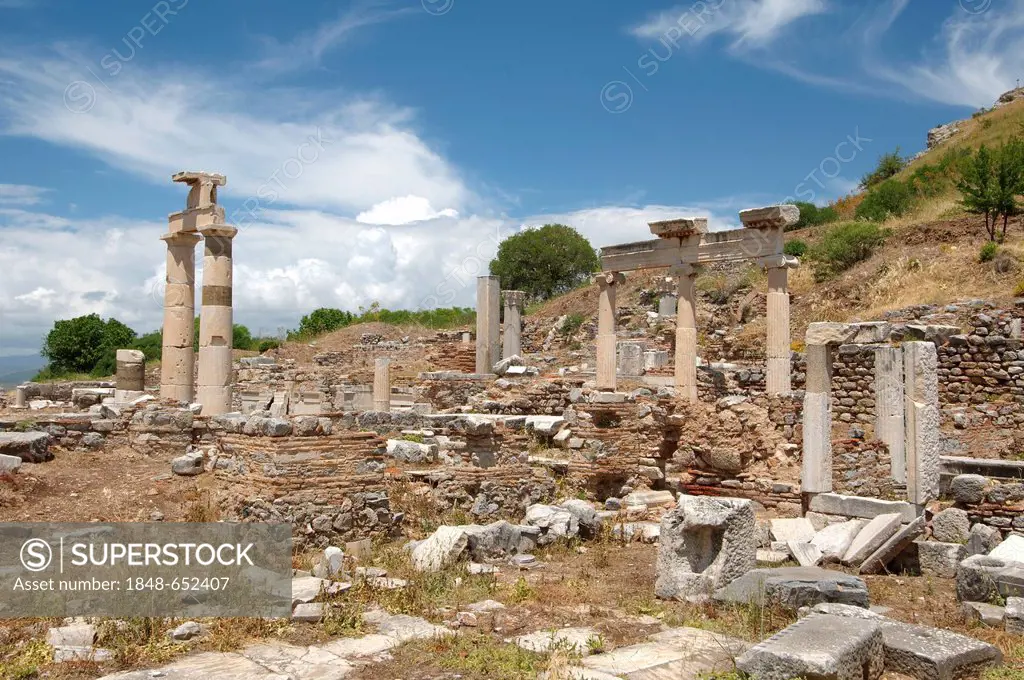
{"x": 686, "y": 270}
{"x": 778, "y": 262}
{"x": 609, "y": 279}
{"x": 219, "y": 231}
{"x": 513, "y": 298}
{"x": 181, "y": 238}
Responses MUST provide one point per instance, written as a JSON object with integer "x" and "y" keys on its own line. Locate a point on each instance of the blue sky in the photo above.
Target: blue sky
{"x": 379, "y": 149}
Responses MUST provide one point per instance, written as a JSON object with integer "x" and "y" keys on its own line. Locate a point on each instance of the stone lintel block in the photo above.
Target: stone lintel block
{"x": 830, "y": 333}
{"x": 869, "y": 332}
{"x": 198, "y": 177}
{"x": 861, "y": 506}
{"x": 770, "y": 217}
{"x": 194, "y": 219}
{"x": 871, "y": 538}
{"x": 679, "y": 228}
{"x": 819, "y": 646}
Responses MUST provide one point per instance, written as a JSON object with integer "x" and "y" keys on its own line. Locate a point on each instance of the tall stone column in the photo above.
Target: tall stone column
{"x": 488, "y": 327}
{"x": 686, "y": 331}
{"x": 382, "y": 384}
{"x": 606, "y": 340}
{"x": 778, "y": 377}
{"x": 816, "y": 472}
{"x": 216, "y": 321}
{"x": 921, "y": 385}
{"x": 177, "y": 362}
{"x": 511, "y": 344}
{"x": 889, "y": 407}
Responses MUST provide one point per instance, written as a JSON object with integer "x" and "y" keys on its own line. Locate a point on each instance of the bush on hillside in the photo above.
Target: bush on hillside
{"x": 795, "y": 248}
{"x": 888, "y": 166}
{"x": 324, "y": 320}
{"x": 811, "y": 215}
{"x": 843, "y": 246}
{"x": 988, "y": 252}
{"x": 891, "y": 198}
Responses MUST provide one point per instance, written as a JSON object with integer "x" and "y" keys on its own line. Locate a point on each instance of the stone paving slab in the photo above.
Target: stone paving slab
{"x": 675, "y": 654}
{"x": 542, "y": 641}
{"x": 208, "y": 666}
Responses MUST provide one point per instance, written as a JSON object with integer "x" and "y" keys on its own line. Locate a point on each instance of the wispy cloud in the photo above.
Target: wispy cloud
{"x": 309, "y": 47}
{"x": 20, "y": 194}
{"x": 750, "y": 23}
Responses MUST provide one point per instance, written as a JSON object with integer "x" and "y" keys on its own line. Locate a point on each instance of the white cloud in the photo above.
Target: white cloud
{"x": 751, "y": 23}
{"x": 403, "y": 210}
{"x": 20, "y": 194}
{"x": 337, "y": 152}
{"x": 310, "y": 46}
{"x": 975, "y": 58}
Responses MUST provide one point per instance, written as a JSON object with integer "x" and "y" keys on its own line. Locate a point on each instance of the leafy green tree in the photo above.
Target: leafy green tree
{"x": 150, "y": 344}
{"x": 324, "y": 320}
{"x": 79, "y": 345}
{"x": 888, "y": 166}
{"x": 978, "y": 188}
{"x": 545, "y": 261}
{"x": 1009, "y": 182}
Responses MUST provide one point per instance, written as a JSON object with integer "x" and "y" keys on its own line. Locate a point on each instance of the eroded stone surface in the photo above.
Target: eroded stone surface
{"x": 795, "y": 587}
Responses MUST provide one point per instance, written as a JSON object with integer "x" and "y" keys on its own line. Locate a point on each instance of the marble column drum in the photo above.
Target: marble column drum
{"x": 216, "y": 322}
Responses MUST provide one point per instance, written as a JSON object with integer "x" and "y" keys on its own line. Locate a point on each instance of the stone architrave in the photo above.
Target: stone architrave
{"x": 705, "y": 544}
{"x": 816, "y": 475}
{"x": 216, "y": 321}
{"x": 889, "y": 407}
{"x": 488, "y": 328}
{"x": 131, "y": 370}
{"x": 511, "y": 342}
{"x": 606, "y": 343}
{"x": 177, "y": 361}
{"x": 686, "y": 331}
{"x": 382, "y": 384}
{"x": 921, "y": 386}
{"x": 778, "y": 377}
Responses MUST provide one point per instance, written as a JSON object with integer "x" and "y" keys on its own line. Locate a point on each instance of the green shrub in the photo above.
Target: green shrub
{"x": 811, "y": 215}
{"x": 889, "y": 165}
{"x": 891, "y": 198}
{"x": 796, "y": 248}
{"x": 571, "y": 324}
{"x": 845, "y": 245}
{"x": 268, "y": 344}
{"x": 988, "y": 252}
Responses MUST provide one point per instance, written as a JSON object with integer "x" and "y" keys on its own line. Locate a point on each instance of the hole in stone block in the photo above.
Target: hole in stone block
{"x": 218, "y": 341}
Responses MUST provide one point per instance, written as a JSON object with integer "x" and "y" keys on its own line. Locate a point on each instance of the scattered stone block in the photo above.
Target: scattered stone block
{"x": 308, "y": 612}
{"x": 650, "y": 499}
{"x": 940, "y": 559}
{"x": 934, "y": 653}
{"x": 979, "y": 578}
{"x": 988, "y": 614}
{"x": 835, "y": 539}
{"x": 889, "y": 550}
{"x": 442, "y": 548}
{"x": 968, "y": 489}
{"x": 1010, "y": 550}
{"x": 818, "y": 646}
{"x": 9, "y": 464}
{"x": 306, "y": 589}
{"x": 771, "y": 558}
{"x": 952, "y": 525}
{"x": 705, "y": 543}
{"x": 30, "y": 447}
{"x": 80, "y": 635}
{"x": 795, "y": 587}
{"x": 797, "y": 530}
{"x": 189, "y": 465}
{"x": 871, "y": 537}
{"x": 186, "y": 631}
{"x": 806, "y": 554}
{"x": 1014, "y": 615}
{"x": 983, "y": 539}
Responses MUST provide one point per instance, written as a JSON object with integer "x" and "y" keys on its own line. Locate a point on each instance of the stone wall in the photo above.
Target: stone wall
{"x": 863, "y": 468}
